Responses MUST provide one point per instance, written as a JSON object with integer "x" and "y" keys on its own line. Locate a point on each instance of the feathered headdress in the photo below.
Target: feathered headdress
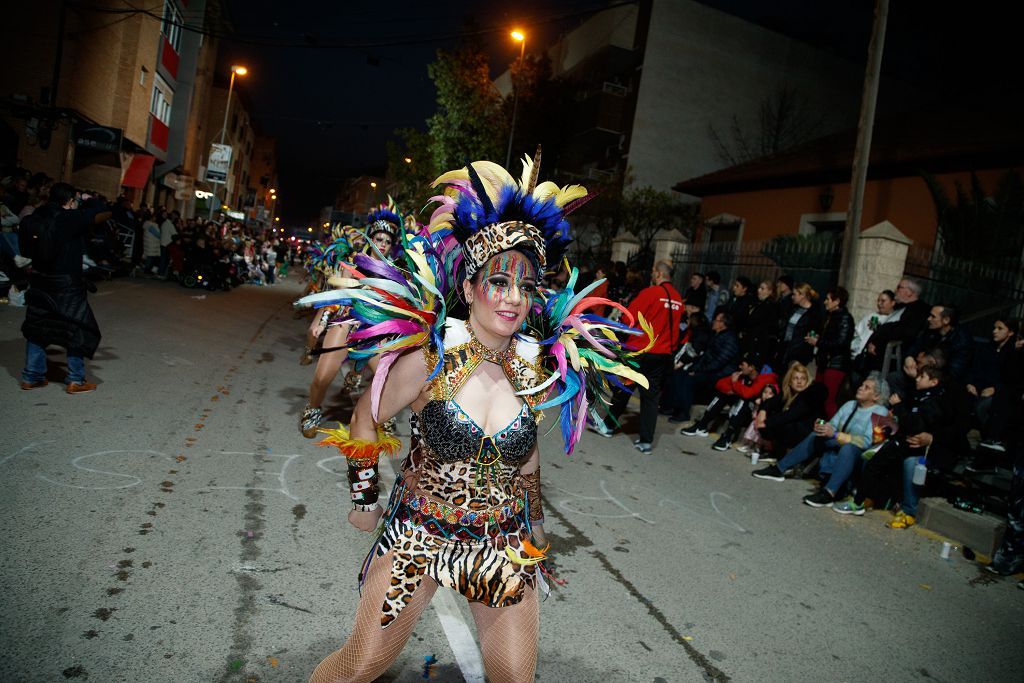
{"x": 385, "y": 218}
{"x": 488, "y": 211}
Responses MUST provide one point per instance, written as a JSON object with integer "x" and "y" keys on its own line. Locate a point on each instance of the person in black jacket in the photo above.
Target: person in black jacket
{"x": 716, "y": 362}
{"x": 696, "y": 294}
{"x": 833, "y": 345}
{"x": 903, "y": 326}
{"x": 788, "y": 418}
{"x": 761, "y": 333}
{"x": 57, "y": 310}
{"x": 804, "y": 319}
{"x": 990, "y": 383}
{"x": 742, "y": 301}
{"x": 943, "y": 332}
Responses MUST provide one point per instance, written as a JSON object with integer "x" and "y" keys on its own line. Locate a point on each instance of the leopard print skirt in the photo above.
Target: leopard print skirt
{"x": 437, "y": 540}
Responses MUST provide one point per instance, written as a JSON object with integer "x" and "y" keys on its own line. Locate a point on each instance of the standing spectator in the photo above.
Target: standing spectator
{"x": 58, "y": 312}
{"x": 716, "y": 362}
{"x": 833, "y": 345}
{"x": 902, "y": 327}
{"x": 168, "y": 229}
{"x": 151, "y": 249}
{"x": 740, "y": 304}
{"x": 662, "y": 306}
{"x": 784, "y": 292}
{"x": 885, "y": 304}
{"x": 990, "y": 383}
{"x": 762, "y": 323}
{"x": 717, "y": 297}
{"x": 804, "y": 319}
{"x": 696, "y": 294}
{"x": 943, "y": 332}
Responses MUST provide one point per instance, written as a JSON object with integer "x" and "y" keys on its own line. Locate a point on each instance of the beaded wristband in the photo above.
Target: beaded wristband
{"x": 363, "y": 482}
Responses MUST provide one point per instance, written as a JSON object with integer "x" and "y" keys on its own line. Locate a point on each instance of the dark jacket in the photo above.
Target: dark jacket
{"x": 739, "y": 308}
{"x": 957, "y": 345}
{"x": 720, "y": 357}
{"x": 992, "y": 365}
{"x": 833, "y": 349}
{"x": 760, "y": 335}
{"x": 796, "y": 349}
{"x": 57, "y": 311}
{"x": 696, "y": 296}
{"x": 943, "y": 412}
{"x": 807, "y": 406}
{"x": 911, "y": 322}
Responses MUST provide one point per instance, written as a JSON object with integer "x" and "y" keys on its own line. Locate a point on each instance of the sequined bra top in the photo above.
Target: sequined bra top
{"x": 452, "y": 435}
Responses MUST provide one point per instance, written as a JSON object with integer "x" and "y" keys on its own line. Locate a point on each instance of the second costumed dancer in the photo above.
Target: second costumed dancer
{"x": 465, "y": 512}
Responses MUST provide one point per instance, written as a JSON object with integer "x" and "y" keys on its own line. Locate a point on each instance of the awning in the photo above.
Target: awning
{"x": 139, "y": 168}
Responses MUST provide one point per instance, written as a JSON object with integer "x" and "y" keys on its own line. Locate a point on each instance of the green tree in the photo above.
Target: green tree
{"x": 469, "y": 123}
{"x": 409, "y": 181}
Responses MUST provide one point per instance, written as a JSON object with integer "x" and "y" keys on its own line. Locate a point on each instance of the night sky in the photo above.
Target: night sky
{"x": 332, "y": 107}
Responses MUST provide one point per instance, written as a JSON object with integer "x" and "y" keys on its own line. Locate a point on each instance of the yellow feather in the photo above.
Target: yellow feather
{"x": 545, "y": 190}
{"x": 569, "y": 193}
{"x": 646, "y": 327}
{"x": 571, "y": 351}
{"x": 458, "y": 174}
{"x": 494, "y": 178}
{"x": 524, "y": 180}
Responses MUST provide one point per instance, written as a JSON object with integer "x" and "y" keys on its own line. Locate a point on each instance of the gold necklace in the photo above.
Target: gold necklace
{"x": 488, "y": 354}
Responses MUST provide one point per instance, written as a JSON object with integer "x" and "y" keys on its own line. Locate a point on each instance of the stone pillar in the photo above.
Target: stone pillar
{"x": 624, "y": 245}
{"x": 666, "y": 243}
{"x": 881, "y": 258}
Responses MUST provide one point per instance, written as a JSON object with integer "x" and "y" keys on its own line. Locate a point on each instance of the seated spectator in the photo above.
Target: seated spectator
{"x": 943, "y": 332}
{"x": 989, "y": 383}
{"x": 717, "y": 298}
{"x": 932, "y": 431}
{"x": 833, "y": 345}
{"x": 787, "y": 419}
{"x": 736, "y": 394}
{"x": 716, "y": 362}
{"x": 902, "y": 327}
{"x": 885, "y": 304}
{"x": 696, "y": 294}
{"x": 839, "y": 442}
{"x": 760, "y": 335}
{"x": 805, "y": 318}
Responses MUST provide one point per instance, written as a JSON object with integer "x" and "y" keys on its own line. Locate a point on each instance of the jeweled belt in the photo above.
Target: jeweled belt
{"x": 429, "y": 506}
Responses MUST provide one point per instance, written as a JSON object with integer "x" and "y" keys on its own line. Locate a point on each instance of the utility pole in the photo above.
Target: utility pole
{"x": 862, "y": 153}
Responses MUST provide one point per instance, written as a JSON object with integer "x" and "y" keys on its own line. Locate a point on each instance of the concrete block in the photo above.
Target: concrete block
{"x": 982, "y": 533}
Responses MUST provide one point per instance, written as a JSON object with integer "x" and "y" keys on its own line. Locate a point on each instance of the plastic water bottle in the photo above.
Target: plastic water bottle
{"x": 920, "y": 472}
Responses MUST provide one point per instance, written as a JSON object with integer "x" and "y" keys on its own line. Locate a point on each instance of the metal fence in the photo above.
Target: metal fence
{"x": 979, "y": 291}
{"x": 811, "y": 259}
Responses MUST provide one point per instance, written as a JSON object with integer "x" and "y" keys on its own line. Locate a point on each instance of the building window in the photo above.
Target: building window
{"x": 160, "y": 104}
{"x": 171, "y": 25}
{"x": 142, "y": 75}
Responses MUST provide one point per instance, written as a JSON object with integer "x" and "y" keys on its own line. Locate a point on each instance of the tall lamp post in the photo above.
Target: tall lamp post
{"x": 236, "y": 70}
{"x": 521, "y": 38}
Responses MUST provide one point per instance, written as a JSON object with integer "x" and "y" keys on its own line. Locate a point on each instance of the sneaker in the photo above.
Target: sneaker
{"x": 849, "y": 507}
{"x": 902, "y": 521}
{"x": 980, "y": 466}
{"x": 693, "y": 430}
{"x": 722, "y": 444}
{"x": 310, "y": 421}
{"x": 26, "y": 386}
{"x": 993, "y": 444}
{"x": 767, "y": 459}
{"x": 80, "y": 387}
{"x": 771, "y": 472}
{"x": 822, "y": 498}
{"x": 601, "y": 429}
{"x": 743, "y": 447}
{"x": 642, "y": 446}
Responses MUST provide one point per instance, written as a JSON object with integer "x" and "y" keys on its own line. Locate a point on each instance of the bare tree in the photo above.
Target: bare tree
{"x": 784, "y": 119}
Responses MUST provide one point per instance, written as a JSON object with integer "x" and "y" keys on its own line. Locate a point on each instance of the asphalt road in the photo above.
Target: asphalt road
{"x": 175, "y": 526}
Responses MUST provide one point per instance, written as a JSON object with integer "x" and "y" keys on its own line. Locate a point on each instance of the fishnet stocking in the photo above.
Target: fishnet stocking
{"x": 508, "y": 638}
{"x": 370, "y": 650}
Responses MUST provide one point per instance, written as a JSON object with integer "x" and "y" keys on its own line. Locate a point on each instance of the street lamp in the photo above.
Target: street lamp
{"x": 236, "y": 70}
{"x": 408, "y": 160}
{"x": 519, "y": 36}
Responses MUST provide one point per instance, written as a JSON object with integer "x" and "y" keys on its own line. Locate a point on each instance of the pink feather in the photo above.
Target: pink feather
{"x": 400, "y": 327}
{"x": 379, "y": 377}
{"x": 578, "y": 325}
{"x": 558, "y": 351}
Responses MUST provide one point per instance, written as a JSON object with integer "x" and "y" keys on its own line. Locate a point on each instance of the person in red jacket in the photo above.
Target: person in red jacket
{"x": 735, "y": 393}
{"x": 662, "y": 306}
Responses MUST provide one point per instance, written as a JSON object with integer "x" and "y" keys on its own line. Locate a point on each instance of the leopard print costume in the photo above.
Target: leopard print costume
{"x": 459, "y": 502}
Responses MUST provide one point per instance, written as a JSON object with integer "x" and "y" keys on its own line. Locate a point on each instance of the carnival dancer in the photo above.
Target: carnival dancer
{"x": 465, "y": 512}
{"x": 383, "y": 224}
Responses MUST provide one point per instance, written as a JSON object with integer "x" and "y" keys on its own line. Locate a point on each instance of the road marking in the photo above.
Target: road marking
{"x": 607, "y": 497}
{"x": 29, "y": 447}
{"x": 75, "y": 462}
{"x": 456, "y": 629}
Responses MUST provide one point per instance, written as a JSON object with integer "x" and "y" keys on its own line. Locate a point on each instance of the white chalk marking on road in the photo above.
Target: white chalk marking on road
{"x": 566, "y": 505}
{"x": 29, "y": 447}
{"x": 289, "y": 457}
{"x": 456, "y": 630}
{"x": 722, "y": 518}
{"x": 175, "y": 360}
{"x": 76, "y": 463}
